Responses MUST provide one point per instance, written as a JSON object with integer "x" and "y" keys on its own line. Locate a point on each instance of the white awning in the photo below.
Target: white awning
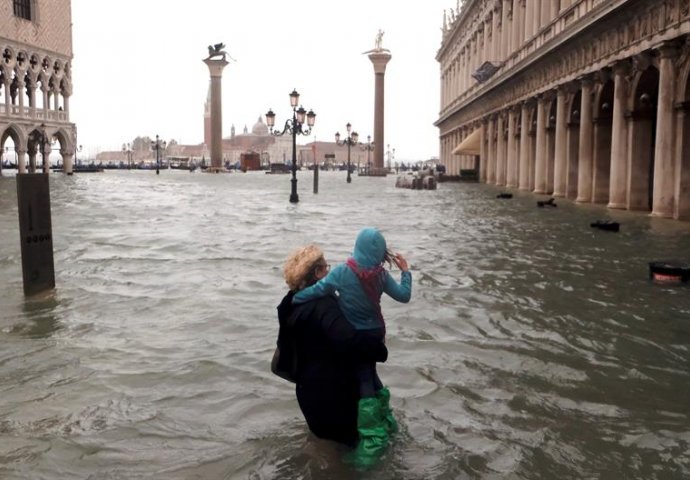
{"x": 470, "y": 145}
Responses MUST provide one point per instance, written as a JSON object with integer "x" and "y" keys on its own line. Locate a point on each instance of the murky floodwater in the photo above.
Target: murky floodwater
{"x": 534, "y": 347}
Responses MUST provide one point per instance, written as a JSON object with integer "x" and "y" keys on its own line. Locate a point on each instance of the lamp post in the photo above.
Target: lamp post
{"x": 390, "y": 155}
{"x": 127, "y": 150}
{"x": 369, "y": 147}
{"x": 157, "y": 145}
{"x": 351, "y": 139}
{"x": 293, "y": 126}
{"x": 76, "y": 158}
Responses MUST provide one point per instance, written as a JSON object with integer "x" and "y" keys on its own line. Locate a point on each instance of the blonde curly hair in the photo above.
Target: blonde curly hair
{"x": 300, "y": 266}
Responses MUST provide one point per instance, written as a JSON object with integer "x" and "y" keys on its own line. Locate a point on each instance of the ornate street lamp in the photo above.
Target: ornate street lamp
{"x": 158, "y": 145}
{"x": 390, "y": 155}
{"x": 127, "y": 150}
{"x": 293, "y": 126}
{"x": 76, "y": 158}
{"x": 351, "y": 139}
{"x": 369, "y": 147}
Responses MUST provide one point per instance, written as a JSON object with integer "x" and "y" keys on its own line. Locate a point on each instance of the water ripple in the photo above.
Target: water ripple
{"x": 533, "y": 347}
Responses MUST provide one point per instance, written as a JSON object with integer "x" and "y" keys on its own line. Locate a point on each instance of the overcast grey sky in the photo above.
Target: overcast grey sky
{"x": 138, "y": 70}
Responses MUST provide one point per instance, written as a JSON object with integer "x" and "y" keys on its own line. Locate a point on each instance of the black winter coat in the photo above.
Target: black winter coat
{"x": 327, "y": 350}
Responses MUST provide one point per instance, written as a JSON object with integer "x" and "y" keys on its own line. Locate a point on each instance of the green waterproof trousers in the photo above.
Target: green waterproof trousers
{"x": 384, "y": 398}
{"x": 373, "y": 434}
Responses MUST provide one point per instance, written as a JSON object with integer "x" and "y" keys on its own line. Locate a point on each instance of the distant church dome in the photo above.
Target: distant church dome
{"x": 260, "y": 128}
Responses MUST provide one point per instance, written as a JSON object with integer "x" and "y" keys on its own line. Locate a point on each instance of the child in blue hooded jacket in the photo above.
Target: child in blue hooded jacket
{"x": 360, "y": 282}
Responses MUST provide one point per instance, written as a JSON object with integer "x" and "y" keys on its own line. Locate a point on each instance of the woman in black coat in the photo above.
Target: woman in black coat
{"x": 323, "y": 349}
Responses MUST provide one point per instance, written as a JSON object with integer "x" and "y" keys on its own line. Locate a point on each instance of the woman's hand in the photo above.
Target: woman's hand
{"x": 400, "y": 262}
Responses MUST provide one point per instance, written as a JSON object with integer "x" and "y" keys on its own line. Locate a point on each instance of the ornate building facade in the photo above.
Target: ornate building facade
{"x": 583, "y": 99}
{"x": 36, "y": 81}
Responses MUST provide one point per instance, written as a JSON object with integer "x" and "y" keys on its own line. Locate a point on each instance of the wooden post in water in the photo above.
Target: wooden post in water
{"x": 36, "y": 232}
{"x": 316, "y": 178}
{"x": 316, "y": 167}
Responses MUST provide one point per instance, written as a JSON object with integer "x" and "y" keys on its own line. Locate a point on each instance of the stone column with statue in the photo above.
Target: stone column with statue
{"x": 216, "y": 62}
{"x": 379, "y": 57}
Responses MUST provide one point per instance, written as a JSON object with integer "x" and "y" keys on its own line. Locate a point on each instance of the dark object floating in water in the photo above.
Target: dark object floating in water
{"x": 504, "y": 195}
{"x": 607, "y": 225}
{"x": 669, "y": 272}
{"x": 546, "y": 203}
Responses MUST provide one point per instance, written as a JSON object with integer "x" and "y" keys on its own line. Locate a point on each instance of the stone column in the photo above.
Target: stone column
{"x": 379, "y": 59}
{"x": 491, "y": 157}
{"x": 67, "y": 162}
{"x": 215, "y": 67}
{"x": 682, "y": 188}
{"x": 500, "y": 151}
{"x": 505, "y": 30}
{"x": 32, "y": 96}
{"x": 56, "y": 99}
{"x": 495, "y": 36}
{"x": 664, "y": 175}
{"x": 584, "y": 169}
{"x": 540, "y": 166}
{"x": 560, "y": 161}
{"x": 21, "y": 160}
{"x": 523, "y": 182}
{"x": 516, "y": 28}
{"x": 512, "y": 154}
{"x": 483, "y": 152}
{"x": 619, "y": 139}
{"x": 46, "y": 103}
{"x": 545, "y": 10}
{"x": 20, "y": 92}
{"x": 45, "y": 151}
{"x": 487, "y": 49}
{"x": 529, "y": 20}
{"x": 555, "y": 8}
{"x": 8, "y": 97}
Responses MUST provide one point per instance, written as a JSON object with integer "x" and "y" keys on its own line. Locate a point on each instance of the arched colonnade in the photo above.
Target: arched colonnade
{"x": 619, "y": 136}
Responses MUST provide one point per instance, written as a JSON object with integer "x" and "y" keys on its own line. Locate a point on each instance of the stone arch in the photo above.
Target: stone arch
{"x": 67, "y": 147}
{"x": 643, "y": 100}
{"x": 603, "y": 131}
{"x": 13, "y": 132}
{"x": 33, "y": 146}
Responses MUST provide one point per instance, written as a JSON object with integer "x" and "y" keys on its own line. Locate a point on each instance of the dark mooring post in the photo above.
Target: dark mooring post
{"x": 36, "y": 232}
{"x": 316, "y": 178}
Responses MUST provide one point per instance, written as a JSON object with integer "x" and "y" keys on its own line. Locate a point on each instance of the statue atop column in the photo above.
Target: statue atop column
{"x": 216, "y": 50}
{"x": 216, "y": 62}
{"x": 378, "y": 44}
{"x": 379, "y": 40}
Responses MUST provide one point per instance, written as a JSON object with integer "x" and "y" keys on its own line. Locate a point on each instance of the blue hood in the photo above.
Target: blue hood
{"x": 370, "y": 248}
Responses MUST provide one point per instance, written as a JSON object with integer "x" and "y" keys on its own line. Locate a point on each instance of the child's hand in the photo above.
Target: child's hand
{"x": 400, "y": 262}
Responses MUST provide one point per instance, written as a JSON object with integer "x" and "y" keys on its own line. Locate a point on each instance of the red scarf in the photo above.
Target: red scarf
{"x": 371, "y": 280}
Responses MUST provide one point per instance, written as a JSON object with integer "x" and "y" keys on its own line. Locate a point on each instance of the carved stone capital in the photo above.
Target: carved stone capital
{"x": 641, "y": 61}
{"x": 622, "y": 67}
{"x": 602, "y": 76}
{"x": 668, "y": 49}
{"x": 586, "y": 81}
